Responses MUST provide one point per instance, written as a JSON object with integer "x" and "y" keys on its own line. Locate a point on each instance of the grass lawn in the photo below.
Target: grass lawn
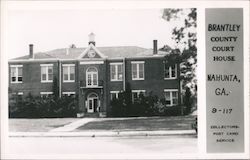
{"x": 140, "y": 124}
{"x": 37, "y": 125}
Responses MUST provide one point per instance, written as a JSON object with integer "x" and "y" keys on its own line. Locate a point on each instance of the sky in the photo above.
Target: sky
{"x": 53, "y": 29}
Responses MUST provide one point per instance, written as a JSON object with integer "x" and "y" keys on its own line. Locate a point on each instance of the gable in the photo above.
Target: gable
{"x": 91, "y": 52}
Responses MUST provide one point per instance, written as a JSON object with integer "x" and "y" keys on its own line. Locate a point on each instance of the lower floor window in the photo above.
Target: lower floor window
{"x": 114, "y": 95}
{"x": 46, "y": 94}
{"x": 69, "y": 94}
{"x": 17, "y": 95}
{"x": 136, "y": 94}
{"x": 171, "y": 97}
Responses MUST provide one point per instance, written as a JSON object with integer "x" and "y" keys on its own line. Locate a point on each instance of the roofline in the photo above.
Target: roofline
{"x": 54, "y": 60}
{"x": 33, "y": 60}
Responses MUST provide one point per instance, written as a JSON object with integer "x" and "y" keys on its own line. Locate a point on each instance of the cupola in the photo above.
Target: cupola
{"x": 92, "y": 38}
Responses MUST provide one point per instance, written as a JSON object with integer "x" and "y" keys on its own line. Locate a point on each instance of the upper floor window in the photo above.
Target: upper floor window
{"x": 136, "y": 94}
{"x": 92, "y": 77}
{"x": 16, "y": 73}
{"x": 170, "y": 72}
{"x": 46, "y": 72}
{"x": 137, "y": 70}
{"x": 68, "y": 72}
{"x": 171, "y": 97}
{"x": 116, "y": 70}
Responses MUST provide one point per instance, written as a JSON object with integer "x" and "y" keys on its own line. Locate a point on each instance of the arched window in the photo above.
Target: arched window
{"x": 92, "y": 77}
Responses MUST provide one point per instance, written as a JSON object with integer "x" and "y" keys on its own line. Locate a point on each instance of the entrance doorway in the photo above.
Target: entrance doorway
{"x": 92, "y": 103}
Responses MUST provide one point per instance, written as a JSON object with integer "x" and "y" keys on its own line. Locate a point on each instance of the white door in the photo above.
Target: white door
{"x": 90, "y": 105}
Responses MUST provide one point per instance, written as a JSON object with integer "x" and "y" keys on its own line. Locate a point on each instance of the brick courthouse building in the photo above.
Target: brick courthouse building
{"x": 96, "y": 74}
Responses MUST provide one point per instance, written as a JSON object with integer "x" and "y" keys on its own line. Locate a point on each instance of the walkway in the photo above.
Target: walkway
{"x": 72, "y": 126}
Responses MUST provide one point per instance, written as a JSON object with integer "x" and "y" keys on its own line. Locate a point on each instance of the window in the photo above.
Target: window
{"x": 171, "y": 97}
{"x": 46, "y": 94}
{"x": 170, "y": 71}
{"x": 136, "y": 94}
{"x": 137, "y": 70}
{"x": 116, "y": 71}
{"x": 16, "y": 73}
{"x": 68, "y": 72}
{"x": 69, "y": 94}
{"x": 114, "y": 95}
{"x": 46, "y": 72}
{"x": 20, "y": 93}
{"x": 92, "y": 77}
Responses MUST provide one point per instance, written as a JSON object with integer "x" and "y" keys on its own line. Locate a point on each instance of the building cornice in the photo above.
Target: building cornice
{"x": 83, "y": 59}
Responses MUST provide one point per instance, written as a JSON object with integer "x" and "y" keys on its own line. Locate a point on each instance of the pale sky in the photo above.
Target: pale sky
{"x": 53, "y": 29}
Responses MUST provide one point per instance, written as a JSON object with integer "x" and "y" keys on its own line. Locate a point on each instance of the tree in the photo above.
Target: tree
{"x": 185, "y": 51}
{"x": 188, "y": 100}
{"x": 55, "y": 88}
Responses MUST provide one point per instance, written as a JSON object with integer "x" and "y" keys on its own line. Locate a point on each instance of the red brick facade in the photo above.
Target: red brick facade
{"x": 99, "y": 66}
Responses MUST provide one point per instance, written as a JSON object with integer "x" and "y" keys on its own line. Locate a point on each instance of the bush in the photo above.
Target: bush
{"x": 173, "y": 111}
{"x": 37, "y": 107}
{"x": 144, "y": 106}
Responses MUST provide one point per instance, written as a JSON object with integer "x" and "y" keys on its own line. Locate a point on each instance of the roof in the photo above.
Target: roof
{"x": 110, "y": 52}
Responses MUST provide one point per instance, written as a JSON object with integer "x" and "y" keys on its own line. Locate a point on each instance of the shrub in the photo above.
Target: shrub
{"x": 144, "y": 106}
{"x": 38, "y": 107}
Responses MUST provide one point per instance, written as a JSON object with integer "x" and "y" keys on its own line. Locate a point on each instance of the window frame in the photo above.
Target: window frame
{"x": 138, "y": 92}
{"x": 171, "y": 96}
{"x": 45, "y": 94}
{"x": 92, "y": 77}
{"x": 137, "y": 63}
{"x": 116, "y": 94}
{"x": 69, "y": 94}
{"x": 170, "y": 71}
{"x": 16, "y": 73}
{"x": 47, "y": 73}
{"x": 116, "y": 71}
{"x": 68, "y": 72}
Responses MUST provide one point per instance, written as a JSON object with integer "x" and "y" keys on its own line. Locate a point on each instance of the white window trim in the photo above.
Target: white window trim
{"x": 92, "y": 62}
{"x": 135, "y": 62}
{"x": 16, "y": 65}
{"x": 46, "y": 93}
{"x": 171, "y": 97}
{"x": 170, "y": 90}
{"x": 20, "y": 93}
{"x": 68, "y": 93}
{"x": 138, "y": 92}
{"x": 116, "y": 94}
{"x": 44, "y": 65}
{"x": 170, "y": 72}
{"x": 133, "y": 91}
{"x": 68, "y": 70}
{"x": 47, "y": 74}
{"x": 16, "y": 68}
{"x": 116, "y": 71}
{"x": 68, "y": 65}
{"x": 137, "y": 70}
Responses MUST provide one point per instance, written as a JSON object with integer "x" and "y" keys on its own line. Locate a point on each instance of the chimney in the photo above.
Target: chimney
{"x": 155, "y": 49}
{"x": 31, "y": 54}
{"x": 92, "y": 38}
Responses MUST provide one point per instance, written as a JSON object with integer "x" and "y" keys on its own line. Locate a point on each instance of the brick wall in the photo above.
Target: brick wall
{"x": 153, "y": 79}
{"x": 32, "y": 78}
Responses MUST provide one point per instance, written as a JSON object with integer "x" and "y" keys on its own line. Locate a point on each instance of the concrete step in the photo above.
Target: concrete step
{"x": 92, "y": 115}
